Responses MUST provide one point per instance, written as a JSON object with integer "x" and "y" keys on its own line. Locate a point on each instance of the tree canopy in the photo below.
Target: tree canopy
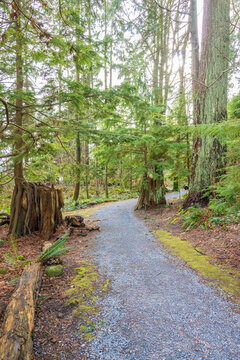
{"x": 118, "y": 99}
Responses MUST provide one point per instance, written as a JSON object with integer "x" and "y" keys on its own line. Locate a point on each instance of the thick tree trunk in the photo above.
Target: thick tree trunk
{"x": 18, "y": 324}
{"x": 151, "y": 194}
{"x": 208, "y": 154}
{"x": 195, "y": 49}
{"x": 35, "y": 207}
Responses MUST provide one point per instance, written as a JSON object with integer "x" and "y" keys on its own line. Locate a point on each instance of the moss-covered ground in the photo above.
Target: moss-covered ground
{"x": 221, "y": 276}
{"x": 86, "y": 288}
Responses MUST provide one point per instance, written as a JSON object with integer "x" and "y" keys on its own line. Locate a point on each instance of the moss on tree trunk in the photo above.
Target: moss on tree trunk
{"x": 208, "y": 158}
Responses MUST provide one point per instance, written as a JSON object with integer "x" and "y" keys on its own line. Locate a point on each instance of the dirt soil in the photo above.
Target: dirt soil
{"x": 53, "y": 318}
{"x": 222, "y": 244}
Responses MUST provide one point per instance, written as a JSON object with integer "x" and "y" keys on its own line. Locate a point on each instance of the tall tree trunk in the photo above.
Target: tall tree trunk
{"x": 96, "y": 178}
{"x": 78, "y": 170}
{"x": 105, "y": 85}
{"x": 106, "y": 182}
{"x": 195, "y": 51}
{"x": 33, "y": 207}
{"x": 78, "y": 143}
{"x": 208, "y": 154}
{"x": 18, "y": 163}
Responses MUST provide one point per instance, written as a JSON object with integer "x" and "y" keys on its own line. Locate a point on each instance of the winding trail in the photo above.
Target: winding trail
{"x": 156, "y": 307}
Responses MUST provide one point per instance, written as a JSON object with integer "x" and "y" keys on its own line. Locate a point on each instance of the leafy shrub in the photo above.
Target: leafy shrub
{"x": 218, "y": 206}
{"x": 193, "y": 217}
{"x": 233, "y": 218}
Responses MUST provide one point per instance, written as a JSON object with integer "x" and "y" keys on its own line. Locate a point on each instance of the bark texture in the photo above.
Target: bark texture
{"x": 211, "y": 103}
{"x": 16, "y": 332}
{"x": 78, "y": 171}
{"x": 151, "y": 194}
{"x": 35, "y": 207}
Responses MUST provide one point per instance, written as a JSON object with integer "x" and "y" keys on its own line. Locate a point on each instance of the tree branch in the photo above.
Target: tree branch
{"x": 7, "y": 114}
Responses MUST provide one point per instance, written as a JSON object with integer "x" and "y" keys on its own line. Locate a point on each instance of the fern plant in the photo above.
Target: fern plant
{"x": 55, "y": 249}
{"x": 193, "y": 217}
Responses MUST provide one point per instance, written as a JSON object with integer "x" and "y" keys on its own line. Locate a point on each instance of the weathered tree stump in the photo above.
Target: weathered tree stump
{"x": 18, "y": 323}
{"x": 35, "y": 207}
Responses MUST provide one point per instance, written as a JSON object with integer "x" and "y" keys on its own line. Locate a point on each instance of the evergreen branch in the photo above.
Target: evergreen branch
{"x": 7, "y": 114}
{"x": 60, "y": 11}
{"x": 68, "y": 153}
{"x": 8, "y": 155}
{"x": 171, "y": 11}
{"x": 7, "y": 182}
{"x": 23, "y": 129}
{"x": 32, "y": 21}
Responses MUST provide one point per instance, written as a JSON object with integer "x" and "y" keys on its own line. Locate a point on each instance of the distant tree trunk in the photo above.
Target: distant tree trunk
{"x": 106, "y": 182}
{"x": 96, "y": 179}
{"x": 86, "y": 163}
{"x": 208, "y": 154}
{"x": 105, "y": 83}
{"x": 78, "y": 171}
{"x": 152, "y": 192}
{"x": 175, "y": 183}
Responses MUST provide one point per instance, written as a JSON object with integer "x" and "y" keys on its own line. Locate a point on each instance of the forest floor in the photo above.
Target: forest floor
{"x": 54, "y": 317}
{"x": 222, "y": 243}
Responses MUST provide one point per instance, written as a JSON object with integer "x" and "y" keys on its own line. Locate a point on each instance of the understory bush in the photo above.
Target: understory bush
{"x": 193, "y": 217}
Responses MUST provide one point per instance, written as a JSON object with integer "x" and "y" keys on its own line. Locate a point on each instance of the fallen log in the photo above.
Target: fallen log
{"x": 18, "y": 323}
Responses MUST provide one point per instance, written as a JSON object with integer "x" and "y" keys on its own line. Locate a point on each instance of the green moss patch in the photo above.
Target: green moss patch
{"x": 3, "y": 271}
{"x": 53, "y": 270}
{"x": 87, "y": 286}
{"x": 202, "y": 263}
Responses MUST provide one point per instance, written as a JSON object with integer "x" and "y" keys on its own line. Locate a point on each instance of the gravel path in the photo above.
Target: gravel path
{"x": 156, "y": 307}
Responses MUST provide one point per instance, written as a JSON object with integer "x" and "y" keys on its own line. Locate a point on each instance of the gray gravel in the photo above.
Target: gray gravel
{"x": 156, "y": 308}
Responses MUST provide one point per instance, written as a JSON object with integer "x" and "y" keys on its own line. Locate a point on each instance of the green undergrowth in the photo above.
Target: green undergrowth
{"x": 207, "y": 218}
{"x": 86, "y": 288}
{"x": 202, "y": 263}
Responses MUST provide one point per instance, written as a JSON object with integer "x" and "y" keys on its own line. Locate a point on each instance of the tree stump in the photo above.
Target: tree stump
{"x": 35, "y": 207}
{"x": 18, "y": 324}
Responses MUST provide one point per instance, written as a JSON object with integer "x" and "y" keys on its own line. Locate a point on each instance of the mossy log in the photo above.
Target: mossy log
{"x": 35, "y": 207}
{"x": 18, "y": 323}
